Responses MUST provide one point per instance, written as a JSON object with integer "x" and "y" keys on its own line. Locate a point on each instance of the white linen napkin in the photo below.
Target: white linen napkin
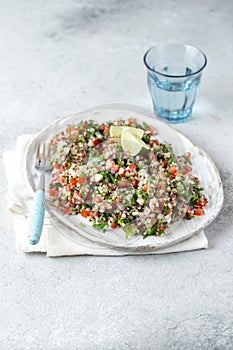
{"x": 53, "y": 239}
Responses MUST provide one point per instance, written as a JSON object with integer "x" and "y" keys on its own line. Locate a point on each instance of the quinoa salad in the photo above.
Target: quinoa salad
{"x": 95, "y": 176}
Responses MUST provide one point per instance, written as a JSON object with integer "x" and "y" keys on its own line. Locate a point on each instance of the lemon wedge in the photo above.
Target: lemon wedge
{"x": 131, "y": 143}
{"x": 116, "y": 131}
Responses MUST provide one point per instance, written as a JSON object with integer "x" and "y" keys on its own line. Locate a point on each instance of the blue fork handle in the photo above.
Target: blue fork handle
{"x": 37, "y": 217}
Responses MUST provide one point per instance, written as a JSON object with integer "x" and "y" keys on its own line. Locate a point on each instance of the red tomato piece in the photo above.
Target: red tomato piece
{"x": 173, "y": 170}
{"x": 132, "y": 166}
{"x": 198, "y": 212}
{"x": 85, "y": 213}
{"x": 56, "y": 165}
{"x": 73, "y": 181}
{"x": 96, "y": 142}
{"x": 135, "y": 183}
{"x": 52, "y": 192}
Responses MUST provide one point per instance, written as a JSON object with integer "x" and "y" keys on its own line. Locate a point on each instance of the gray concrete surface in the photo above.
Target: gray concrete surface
{"x": 57, "y": 57}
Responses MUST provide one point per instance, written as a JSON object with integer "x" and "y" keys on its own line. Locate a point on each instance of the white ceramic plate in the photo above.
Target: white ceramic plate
{"x": 203, "y": 167}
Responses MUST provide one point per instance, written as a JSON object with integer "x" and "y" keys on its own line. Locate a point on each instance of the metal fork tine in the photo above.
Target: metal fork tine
{"x": 43, "y": 153}
{"x": 38, "y": 152}
{"x": 49, "y": 151}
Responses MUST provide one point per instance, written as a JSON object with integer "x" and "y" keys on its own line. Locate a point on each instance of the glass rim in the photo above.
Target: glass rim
{"x": 175, "y": 76}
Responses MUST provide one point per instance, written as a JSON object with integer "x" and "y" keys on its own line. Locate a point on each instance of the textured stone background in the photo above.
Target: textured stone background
{"x": 57, "y": 57}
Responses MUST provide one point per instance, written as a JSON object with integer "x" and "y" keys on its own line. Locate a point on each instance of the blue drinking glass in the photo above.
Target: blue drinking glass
{"x": 173, "y": 75}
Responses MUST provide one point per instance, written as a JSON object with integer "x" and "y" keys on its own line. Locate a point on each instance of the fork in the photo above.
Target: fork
{"x": 43, "y": 154}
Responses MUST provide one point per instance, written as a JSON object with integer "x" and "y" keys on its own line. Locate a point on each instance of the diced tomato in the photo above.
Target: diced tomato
{"x": 203, "y": 201}
{"x": 173, "y": 170}
{"x": 85, "y": 213}
{"x": 56, "y": 165}
{"x": 102, "y": 127}
{"x": 96, "y": 142}
{"x": 52, "y": 192}
{"x": 114, "y": 225}
{"x": 157, "y": 142}
{"x": 198, "y": 212}
{"x": 132, "y": 166}
{"x": 63, "y": 179}
{"x": 188, "y": 154}
{"x": 73, "y": 181}
{"x": 145, "y": 188}
{"x": 81, "y": 180}
{"x": 135, "y": 183}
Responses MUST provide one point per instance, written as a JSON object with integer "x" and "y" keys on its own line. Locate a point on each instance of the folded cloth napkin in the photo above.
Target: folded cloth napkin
{"x": 55, "y": 236}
